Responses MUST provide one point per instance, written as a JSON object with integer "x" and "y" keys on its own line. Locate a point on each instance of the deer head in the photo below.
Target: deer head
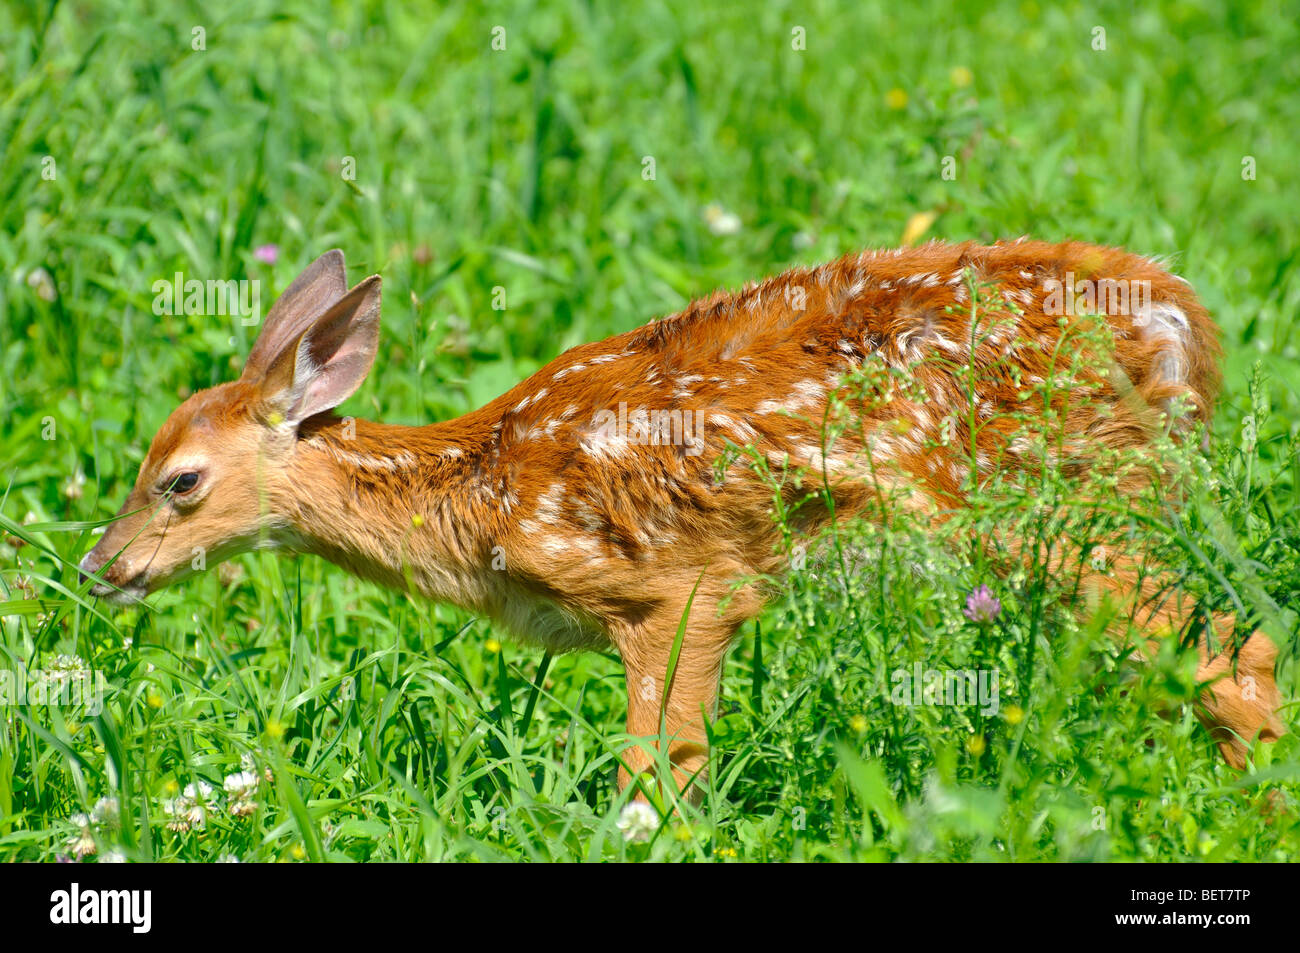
{"x": 207, "y": 489}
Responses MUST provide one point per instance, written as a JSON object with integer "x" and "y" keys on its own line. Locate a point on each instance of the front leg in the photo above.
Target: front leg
{"x": 692, "y": 693}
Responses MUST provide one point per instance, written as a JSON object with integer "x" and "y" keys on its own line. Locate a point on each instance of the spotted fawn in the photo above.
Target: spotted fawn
{"x": 586, "y": 507}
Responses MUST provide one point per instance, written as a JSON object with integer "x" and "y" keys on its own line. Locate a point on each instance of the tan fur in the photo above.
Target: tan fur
{"x": 531, "y": 511}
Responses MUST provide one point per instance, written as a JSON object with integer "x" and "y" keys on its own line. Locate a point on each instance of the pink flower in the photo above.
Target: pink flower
{"x": 269, "y": 254}
{"x": 982, "y": 606}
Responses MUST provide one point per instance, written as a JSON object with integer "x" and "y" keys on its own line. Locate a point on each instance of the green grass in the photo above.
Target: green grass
{"x": 393, "y": 729}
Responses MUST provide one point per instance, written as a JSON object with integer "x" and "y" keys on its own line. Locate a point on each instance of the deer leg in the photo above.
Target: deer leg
{"x": 1241, "y": 701}
{"x": 1239, "y": 705}
{"x": 691, "y": 693}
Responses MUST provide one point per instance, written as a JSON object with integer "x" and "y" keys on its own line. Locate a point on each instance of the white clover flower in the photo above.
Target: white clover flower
{"x": 64, "y": 668}
{"x": 83, "y": 845}
{"x": 240, "y": 784}
{"x": 40, "y": 281}
{"x": 112, "y": 856}
{"x": 73, "y": 485}
{"x": 638, "y": 821}
{"x": 720, "y": 221}
{"x": 107, "y": 813}
{"x": 178, "y": 809}
{"x": 201, "y": 791}
{"x": 240, "y": 788}
{"x": 190, "y": 810}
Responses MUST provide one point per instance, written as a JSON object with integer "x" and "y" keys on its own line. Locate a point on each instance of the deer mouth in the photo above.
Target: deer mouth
{"x": 132, "y": 592}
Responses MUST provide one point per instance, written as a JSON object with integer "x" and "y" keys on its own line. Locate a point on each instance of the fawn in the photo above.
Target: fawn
{"x": 542, "y": 510}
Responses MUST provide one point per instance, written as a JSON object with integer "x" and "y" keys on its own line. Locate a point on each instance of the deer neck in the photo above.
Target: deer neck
{"x": 407, "y": 507}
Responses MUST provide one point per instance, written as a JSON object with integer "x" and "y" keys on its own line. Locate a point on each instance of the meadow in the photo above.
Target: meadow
{"x": 528, "y": 177}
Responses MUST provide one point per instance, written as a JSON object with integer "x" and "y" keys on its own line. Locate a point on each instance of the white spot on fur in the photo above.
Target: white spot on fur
{"x": 548, "y": 505}
{"x": 807, "y": 393}
{"x": 601, "y": 444}
{"x": 737, "y": 428}
{"x": 1165, "y": 321}
{"x": 571, "y": 369}
{"x": 530, "y": 399}
{"x": 364, "y": 461}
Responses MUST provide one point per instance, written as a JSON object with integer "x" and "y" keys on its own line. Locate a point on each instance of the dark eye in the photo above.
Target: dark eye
{"x": 184, "y": 483}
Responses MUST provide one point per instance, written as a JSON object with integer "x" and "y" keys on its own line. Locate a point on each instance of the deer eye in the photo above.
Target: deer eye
{"x": 184, "y": 483}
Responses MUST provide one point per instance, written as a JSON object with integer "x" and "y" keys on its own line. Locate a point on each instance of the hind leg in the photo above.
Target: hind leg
{"x": 1240, "y": 706}
{"x": 1241, "y": 700}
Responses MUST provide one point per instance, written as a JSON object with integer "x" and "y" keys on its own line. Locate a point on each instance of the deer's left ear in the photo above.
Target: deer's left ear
{"x": 324, "y": 365}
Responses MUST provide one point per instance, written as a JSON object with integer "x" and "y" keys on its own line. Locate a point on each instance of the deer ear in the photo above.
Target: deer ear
{"x": 321, "y": 285}
{"x": 327, "y": 362}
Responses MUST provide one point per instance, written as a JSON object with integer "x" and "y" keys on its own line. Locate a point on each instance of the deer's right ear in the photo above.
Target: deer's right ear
{"x": 327, "y": 362}
{"x": 321, "y": 285}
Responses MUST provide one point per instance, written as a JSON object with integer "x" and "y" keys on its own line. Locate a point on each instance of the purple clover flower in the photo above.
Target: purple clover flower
{"x": 269, "y": 254}
{"x": 982, "y": 606}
